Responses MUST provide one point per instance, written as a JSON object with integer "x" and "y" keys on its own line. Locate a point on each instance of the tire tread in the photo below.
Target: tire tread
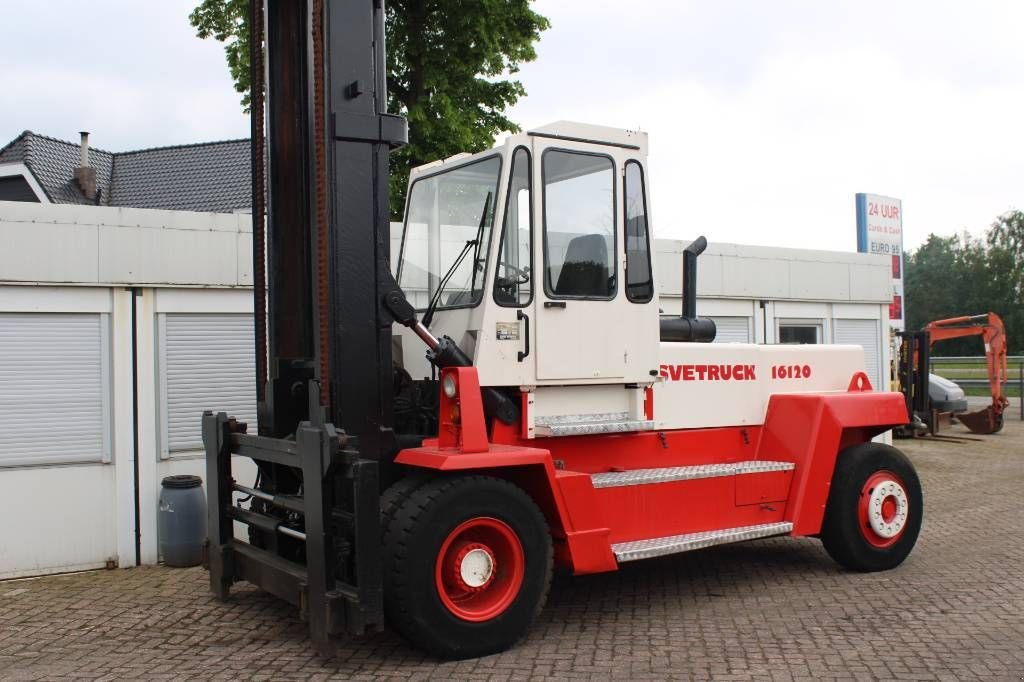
{"x": 405, "y": 507}
{"x": 840, "y": 534}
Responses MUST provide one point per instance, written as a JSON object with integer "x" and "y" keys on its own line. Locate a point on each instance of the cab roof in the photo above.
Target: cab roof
{"x": 573, "y": 131}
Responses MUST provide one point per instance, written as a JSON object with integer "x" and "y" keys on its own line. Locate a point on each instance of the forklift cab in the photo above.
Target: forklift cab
{"x": 536, "y": 258}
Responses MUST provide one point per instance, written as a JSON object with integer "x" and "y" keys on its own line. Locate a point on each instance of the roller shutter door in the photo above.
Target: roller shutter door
{"x": 863, "y": 333}
{"x": 54, "y": 397}
{"x": 208, "y": 363}
{"x": 732, "y": 329}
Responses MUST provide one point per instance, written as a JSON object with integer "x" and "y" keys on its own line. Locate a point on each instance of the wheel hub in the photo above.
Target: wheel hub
{"x": 479, "y": 569}
{"x": 474, "y": 566}
{"x": 888, "y": 509}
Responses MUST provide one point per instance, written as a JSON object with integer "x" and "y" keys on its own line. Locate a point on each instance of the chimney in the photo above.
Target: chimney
{"x": 84, "y": 153}
{"x": 86, "y": 174}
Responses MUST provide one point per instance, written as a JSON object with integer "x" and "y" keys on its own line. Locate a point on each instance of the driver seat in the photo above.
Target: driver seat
{"x": 585, "y": 269}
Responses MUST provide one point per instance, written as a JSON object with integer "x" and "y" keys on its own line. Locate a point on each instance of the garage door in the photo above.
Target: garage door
{"x": 208, "y": 363}
{"x": 863, "y": 333}
{"x": 732, "y": 329}
{"x": 54, "y": 397}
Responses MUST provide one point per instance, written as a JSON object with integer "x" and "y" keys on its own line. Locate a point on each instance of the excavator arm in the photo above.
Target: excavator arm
{"x": 990, "y": 327}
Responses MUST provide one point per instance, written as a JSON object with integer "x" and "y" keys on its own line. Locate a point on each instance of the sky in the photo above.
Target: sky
{"x": 765, "y": 118}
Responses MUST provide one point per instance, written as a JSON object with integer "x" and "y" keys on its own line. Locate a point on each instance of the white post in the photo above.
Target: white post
{"x": 124, "y": 415}
{"x": 148, "y": 454}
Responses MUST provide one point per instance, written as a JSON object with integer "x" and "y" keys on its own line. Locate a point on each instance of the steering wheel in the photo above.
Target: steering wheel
{"x": 522, "y": 275}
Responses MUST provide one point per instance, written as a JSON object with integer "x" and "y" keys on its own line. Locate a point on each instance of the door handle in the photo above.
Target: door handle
{"x": 520, "y": 315}
{"x": 554, "y": 304}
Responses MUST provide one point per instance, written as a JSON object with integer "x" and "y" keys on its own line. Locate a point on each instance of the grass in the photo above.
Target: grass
{"x": 976, "y": 369}
{"x": 1011, "y": 391}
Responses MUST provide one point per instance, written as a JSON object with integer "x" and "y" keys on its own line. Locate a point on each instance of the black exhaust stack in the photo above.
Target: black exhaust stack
{"x": 689, "y": 327}
{"x": 690, "y": 254}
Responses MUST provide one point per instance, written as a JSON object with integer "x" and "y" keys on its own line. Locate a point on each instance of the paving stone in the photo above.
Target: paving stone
{"x": 775, "y": 609}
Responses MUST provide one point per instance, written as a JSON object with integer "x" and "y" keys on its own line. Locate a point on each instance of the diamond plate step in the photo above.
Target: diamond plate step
{"x": 673, "y": 544}
{"x": 581, "y": 425}
{"x": 614, "y": 479}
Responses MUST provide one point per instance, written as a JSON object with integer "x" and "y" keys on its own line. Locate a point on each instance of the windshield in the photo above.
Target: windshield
{"x": 447, "y": 234}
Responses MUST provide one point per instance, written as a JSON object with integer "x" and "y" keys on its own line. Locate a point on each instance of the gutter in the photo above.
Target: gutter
{"x": 135, "y": 424}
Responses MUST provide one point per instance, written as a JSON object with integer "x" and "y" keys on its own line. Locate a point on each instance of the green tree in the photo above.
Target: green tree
{"x": 1006, "y": 251}
{"x": 931, "y": 271}
{"x": 1005, "y": 270}
{"x": 449, "y": 68}
{"x": 963, "y": 275}
{"x": 228, "y": 22}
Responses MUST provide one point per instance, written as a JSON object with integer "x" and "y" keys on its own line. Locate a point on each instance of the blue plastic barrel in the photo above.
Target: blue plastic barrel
{"x": 181, "y": 520}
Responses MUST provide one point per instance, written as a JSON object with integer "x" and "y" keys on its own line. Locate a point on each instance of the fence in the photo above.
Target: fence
{"x": 971, "y": 371}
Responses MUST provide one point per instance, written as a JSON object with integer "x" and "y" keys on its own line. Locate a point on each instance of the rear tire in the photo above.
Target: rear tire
{"x": 875, "y": 507}
{"x": 467, "y": 565}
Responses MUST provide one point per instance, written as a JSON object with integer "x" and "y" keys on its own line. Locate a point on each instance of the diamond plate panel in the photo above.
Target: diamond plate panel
{"x": 614, "y": 479}
{"x": 564, "y": 419}
{"x": 673, "y": 544}
{"x": 582, "y": 429}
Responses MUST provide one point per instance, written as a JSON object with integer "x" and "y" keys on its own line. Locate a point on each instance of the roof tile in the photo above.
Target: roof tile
{"x": 210, "y": 176}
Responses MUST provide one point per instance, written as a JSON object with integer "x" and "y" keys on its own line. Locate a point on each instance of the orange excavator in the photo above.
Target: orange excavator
{"x": 990, "y": 327}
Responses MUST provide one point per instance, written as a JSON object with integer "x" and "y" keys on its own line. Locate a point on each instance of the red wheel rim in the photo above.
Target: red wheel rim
{"x": 883, "y": 509}
{"x": 479, "y": 569}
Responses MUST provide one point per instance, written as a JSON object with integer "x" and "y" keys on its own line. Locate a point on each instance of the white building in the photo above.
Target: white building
{"x": 117, "y": 328}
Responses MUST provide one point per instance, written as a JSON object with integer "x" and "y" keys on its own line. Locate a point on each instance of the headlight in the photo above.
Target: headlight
{"x": 449, "y": 386}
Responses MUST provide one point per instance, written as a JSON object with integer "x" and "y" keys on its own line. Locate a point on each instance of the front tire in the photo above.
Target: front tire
{"x": 874, "y": 510}
{"x": 467, "y": 565}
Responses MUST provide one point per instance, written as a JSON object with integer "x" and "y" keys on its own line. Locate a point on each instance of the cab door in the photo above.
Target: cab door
{"x": 580, "y": 333}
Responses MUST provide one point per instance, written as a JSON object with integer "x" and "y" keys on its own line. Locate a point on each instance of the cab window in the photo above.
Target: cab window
{"x": 639, "y": 282}
{"x": 447, "y": 235}
{"x": 513, "y": 283}
{"x": 579, "y": 225}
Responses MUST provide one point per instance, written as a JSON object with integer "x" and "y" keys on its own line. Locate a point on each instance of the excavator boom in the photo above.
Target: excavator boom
{"x": 990, "y": 327}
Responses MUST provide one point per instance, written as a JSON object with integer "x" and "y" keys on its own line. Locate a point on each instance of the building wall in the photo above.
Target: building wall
{"x": 62, "y": 497}
{"x": 74, "y": 514}
{"x": 98, "y": 245}
{"x": 734, "y": 271}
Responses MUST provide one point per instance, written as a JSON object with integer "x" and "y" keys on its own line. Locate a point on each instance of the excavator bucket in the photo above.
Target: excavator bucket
{"x": 986, "y": 420}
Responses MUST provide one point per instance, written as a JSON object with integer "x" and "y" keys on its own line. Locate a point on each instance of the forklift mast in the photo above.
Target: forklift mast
{"x": 324, "y": 351}
{"x": 912, "y": 377}
{"x": 320, "y": 142}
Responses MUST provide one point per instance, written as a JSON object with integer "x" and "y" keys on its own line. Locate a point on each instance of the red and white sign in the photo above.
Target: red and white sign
{"x": 880, "y": 231}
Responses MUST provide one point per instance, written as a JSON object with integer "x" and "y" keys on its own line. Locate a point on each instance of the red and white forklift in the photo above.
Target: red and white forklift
{"x": 432, "y": 444}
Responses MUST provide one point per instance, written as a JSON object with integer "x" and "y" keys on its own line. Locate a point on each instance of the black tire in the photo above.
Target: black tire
{"x": 417, "y": 527}
{"x": 393, "y": 498}
{"x": 848, "y": 540}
